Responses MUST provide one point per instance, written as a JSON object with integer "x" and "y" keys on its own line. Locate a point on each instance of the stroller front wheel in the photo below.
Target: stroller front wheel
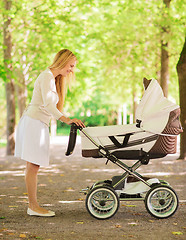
{"x": 161, "y": 201}
{"x": 102, "y": 202}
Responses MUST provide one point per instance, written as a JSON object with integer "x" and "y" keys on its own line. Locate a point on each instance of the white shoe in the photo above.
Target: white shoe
{"x": 33, "y": 213}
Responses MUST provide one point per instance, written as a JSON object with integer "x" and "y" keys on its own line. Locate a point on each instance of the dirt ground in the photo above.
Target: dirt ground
{"x": 58, "y": 190}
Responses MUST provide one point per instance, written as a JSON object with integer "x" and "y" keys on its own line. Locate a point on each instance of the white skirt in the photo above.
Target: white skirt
{"x": 32, "y": 141}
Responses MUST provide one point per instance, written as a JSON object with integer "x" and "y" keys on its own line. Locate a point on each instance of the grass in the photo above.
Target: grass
{"x": 2, "y": 143}
{"x": 64, "y": 131}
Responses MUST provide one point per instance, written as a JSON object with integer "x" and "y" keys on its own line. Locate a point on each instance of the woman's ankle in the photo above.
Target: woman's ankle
{"x": 33, "y": 206}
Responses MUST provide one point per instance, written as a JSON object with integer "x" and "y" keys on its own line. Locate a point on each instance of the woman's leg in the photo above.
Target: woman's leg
{"x": 31, "y": 185}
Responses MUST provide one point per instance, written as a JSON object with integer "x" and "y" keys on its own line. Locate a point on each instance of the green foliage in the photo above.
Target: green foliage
{"x": 63, "y": 130}
{"x": 117, "y": 43}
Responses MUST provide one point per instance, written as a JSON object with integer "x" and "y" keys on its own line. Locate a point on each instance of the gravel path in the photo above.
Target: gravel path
{"x": 58, "y": 190}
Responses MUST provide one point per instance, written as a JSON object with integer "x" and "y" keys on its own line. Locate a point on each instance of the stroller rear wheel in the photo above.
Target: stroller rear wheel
{"x": 161, "y": 201}
{"x": 102, "y": 202}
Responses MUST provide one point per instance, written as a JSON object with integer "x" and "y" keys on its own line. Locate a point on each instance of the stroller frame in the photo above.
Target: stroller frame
{"x": 102, "y": 200}
{"x": 144, "y": 160}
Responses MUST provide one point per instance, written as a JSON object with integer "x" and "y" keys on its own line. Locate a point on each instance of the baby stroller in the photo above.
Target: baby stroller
{"x": 154, "y": 135}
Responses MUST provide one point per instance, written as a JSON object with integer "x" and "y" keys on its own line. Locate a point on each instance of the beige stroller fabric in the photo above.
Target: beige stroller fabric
{"x": 154, "y": 109}
{"x": 153, "y": 112}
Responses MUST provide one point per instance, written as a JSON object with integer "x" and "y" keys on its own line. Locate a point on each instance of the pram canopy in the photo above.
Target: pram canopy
{"x": 154, "y": 109}
{"x": 155, "y": 131}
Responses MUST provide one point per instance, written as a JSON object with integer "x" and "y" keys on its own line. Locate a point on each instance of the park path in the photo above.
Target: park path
{"x": 58, "y": 190}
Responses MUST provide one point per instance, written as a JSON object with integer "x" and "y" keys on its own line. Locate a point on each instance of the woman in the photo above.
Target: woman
{"x": 32, "y": 136}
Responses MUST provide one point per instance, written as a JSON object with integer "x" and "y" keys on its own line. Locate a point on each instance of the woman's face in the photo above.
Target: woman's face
{"x": 68, "y": 68}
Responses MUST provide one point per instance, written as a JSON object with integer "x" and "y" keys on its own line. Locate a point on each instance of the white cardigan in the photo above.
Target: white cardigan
{"x": 44, "y": 99}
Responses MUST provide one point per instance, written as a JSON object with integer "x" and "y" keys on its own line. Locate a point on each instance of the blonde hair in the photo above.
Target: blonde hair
{"x": 62, "y": 83}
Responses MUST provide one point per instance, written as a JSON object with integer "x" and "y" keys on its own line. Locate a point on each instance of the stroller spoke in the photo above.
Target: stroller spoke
{"x": 161, "y": 201}
{"x": 102, "y": 202}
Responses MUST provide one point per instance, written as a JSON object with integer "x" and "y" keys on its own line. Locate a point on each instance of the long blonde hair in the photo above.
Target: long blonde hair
{"x": 62, "y": 83}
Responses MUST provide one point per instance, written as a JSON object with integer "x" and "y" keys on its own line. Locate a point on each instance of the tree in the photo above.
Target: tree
{"x": 181, "y": 70}
{"x": 164, "y": 77}
{"x": 116, "y": 42}
{"x": 9, "y": 80}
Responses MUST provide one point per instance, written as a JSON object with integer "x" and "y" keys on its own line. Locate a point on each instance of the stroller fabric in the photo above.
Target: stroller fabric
{"x": 155, "y": 115}
{"x": 154, "y": 109}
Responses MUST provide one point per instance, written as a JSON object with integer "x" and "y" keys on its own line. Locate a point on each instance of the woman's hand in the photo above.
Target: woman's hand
{"x": 69, "y": 121}
{"x": 78, "y": 122}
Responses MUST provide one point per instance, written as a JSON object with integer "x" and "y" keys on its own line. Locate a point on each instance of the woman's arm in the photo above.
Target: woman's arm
{"x": 70, "y": 121}
{"x": 49, "y": 96}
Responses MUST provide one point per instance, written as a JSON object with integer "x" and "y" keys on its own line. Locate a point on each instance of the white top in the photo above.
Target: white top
{"x": 154, "y": 109}
{"x": 44, "y": 99}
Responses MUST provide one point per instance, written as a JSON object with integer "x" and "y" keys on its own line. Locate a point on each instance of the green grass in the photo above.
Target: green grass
{"x": 64, "y": 131}
{"x": 2, "y": 143}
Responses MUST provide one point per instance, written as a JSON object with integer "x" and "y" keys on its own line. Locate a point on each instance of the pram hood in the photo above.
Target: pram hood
{"x": 154, "y": 109}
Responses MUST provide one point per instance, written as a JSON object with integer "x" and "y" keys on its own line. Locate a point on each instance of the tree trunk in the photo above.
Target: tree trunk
{"x": 10, "y": 99}
{"x": 134, "y": 103}
{"x": 181, "y": 70}
{"x": 164, "y": 77}
{"x": 21, "y": 92}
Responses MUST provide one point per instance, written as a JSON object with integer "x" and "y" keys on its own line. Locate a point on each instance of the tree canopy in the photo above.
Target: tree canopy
{"x": 117, "y": 43}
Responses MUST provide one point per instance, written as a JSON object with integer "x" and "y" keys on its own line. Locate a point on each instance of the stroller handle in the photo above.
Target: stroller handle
{"x": 72, "y": 139}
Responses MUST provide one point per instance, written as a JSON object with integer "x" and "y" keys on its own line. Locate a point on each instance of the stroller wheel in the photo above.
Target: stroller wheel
{"x": 102, "y": 202}
{"x": 161, "y": 201}
{"x": 102, "y": 183}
